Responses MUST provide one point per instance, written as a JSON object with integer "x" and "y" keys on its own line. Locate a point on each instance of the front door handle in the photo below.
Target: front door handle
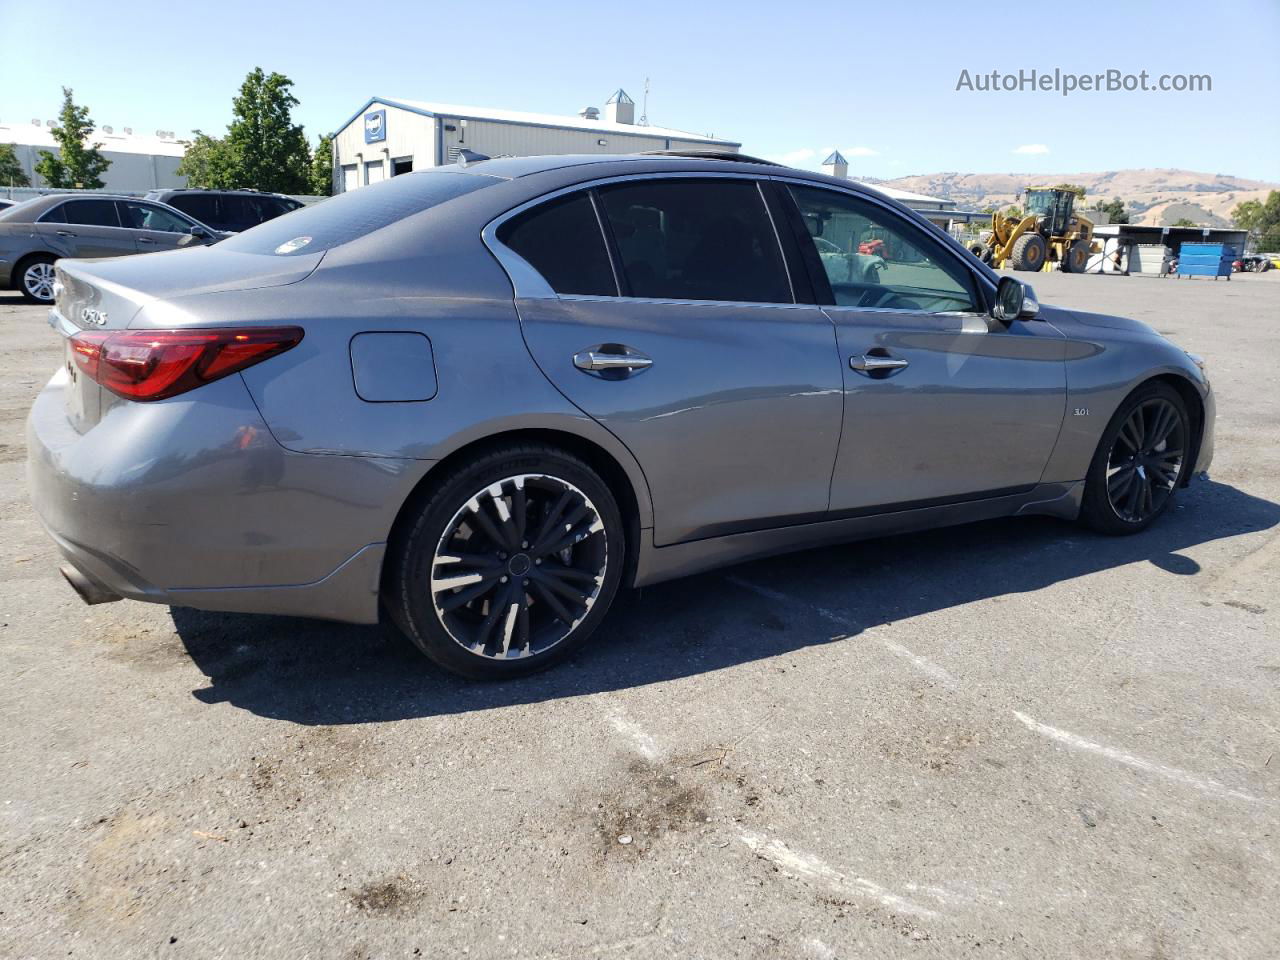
{"x": 870, "y": 363}
{"x": 594, "y": 360}
{"x": 145, "y": 240}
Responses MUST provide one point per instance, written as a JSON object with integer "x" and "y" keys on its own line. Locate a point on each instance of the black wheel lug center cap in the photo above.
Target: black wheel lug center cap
{"x": 519, "y": 565}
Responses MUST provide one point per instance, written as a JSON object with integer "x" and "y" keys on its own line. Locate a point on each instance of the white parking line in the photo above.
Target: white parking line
{"x": 1077, "y": 742}
{"x": 811, "y": 869}
{"x": 643, "y": 744}
{"x": 927, "y": 667}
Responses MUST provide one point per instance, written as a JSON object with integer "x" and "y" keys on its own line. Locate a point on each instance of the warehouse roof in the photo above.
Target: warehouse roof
{"x": 432, "y": 109}
{"x": 29, "y": 135}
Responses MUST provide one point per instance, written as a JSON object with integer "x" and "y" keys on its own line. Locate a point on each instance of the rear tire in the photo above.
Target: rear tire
{"x": 34, "y": 279}
{"x": 1028, "y": 252}
{"x": 509, "y": 564}
{"x": 1141, "y": 461}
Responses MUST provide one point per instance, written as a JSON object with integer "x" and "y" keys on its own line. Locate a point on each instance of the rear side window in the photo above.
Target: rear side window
{"x": 57, "y": 215}
{"x": 202, "y": 206}
{"x": 562, "y": 241}
{"x": 696, "y": 240}
{"x": 350, "y": 216}
{"x": 92, "y": 213}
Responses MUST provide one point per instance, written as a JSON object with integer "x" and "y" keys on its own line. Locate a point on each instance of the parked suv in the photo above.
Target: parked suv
{"x": 35, "y": 234}
{"x": 230, "y": 211}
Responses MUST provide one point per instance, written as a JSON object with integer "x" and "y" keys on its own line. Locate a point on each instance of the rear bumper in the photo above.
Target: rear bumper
{"x": 192, "y": 502}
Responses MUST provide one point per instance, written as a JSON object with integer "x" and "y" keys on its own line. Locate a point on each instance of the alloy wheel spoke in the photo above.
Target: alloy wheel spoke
{"x": 1131, "y": 434}
{"x": 453, "y": 601}
{"x": 547, "y": 596}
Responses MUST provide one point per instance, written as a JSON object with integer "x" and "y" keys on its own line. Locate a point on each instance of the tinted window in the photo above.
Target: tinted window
{"x": 563, "y": 242}
{"x": 57, "y": 215}
{"x": 146, "y": 216}
{"x": 202, "y": 206}
{"x": 696, "y": 240}
{"x": 350, "y": 216}
{"x": 241, "y": 211}
{"x": 92, "y": 213}
{"x": 875, "y": 259}
{"x": 272, "y": 207}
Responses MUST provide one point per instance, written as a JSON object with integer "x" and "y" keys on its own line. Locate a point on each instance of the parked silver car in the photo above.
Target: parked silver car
{"x": 37, "y": 233}
{"x": 484, "y": 398}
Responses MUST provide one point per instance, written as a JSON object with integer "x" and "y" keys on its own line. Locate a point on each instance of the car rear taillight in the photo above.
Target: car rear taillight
{"x": 156, "y": 364}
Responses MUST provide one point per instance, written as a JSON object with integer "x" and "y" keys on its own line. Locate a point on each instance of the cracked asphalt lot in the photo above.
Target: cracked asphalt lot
{"x": 1014, "y": 739}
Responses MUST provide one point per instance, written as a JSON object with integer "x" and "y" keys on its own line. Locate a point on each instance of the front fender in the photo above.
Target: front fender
{"x": 1105, "y": 364}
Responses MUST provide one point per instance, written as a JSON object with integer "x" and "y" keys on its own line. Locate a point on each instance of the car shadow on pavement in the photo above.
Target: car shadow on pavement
{"x": 317, "y": 673}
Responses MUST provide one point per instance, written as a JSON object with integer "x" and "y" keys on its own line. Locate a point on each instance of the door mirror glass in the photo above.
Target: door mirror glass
{"x": 1014, "y": 300}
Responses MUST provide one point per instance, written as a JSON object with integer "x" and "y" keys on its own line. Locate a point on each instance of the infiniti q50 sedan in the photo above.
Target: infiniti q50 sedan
{"x": 484, "y": 398}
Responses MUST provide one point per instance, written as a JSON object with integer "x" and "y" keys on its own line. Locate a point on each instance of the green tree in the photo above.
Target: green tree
{"x": 321, "y": 175}
{"x": 1262, "y": 219}
{"x": 1114, "y": 208}
{"x": 1014, "y": 211}
{"x": 76, "y": 165}
{"x": 270, "y": 150}
{"x": 1184, "y": 222}
{"x": 11, "y": 172}
{"x": 210, "y": 163}
{"x": 1075, "y": 188}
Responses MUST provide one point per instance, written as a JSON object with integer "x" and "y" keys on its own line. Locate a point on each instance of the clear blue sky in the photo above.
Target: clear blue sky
{"x": 874, "y": 79}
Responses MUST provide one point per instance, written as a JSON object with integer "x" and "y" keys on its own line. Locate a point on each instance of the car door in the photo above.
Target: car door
{"x": 942, "y": 402}
{"x": 155, "y": 228}
{"x": 88, "y": 227}
{"x": 662, "y": 308}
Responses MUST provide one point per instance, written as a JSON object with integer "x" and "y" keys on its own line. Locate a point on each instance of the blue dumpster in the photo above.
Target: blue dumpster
{"x": 1205, "y": 260}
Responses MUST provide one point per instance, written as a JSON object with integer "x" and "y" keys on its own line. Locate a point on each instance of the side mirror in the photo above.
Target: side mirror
{"x": 1014, "y": 301}
{"x": 200, "y": 233}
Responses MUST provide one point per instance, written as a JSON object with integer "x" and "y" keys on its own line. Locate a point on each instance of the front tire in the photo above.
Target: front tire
{"x": 35, "y": 280}
{"x": 1141, "y": 460}
{"x": 510, "y": 563}
{"x": 1029, "y": 252}
{"x": 1076, "y": 257}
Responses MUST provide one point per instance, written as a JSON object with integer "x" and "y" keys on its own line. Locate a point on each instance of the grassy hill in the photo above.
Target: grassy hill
{"x": 1159, "y": 197}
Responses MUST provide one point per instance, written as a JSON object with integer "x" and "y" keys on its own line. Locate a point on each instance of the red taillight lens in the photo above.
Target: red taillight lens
{"x": 155, "y": 364}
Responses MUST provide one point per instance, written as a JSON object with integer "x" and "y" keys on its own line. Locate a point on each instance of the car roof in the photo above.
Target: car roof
{"x": 243, "y": 190}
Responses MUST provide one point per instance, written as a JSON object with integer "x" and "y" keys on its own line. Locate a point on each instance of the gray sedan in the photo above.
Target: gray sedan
{"x": 37, "y": 233}
{"x": 483, "y": 399}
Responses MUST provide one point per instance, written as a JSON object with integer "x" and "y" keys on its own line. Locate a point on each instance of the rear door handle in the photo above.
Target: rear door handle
{"x": 145, "y": 240}
{"x": 66, "y": 233}
{"x": 869, "y": 363}
{"x": 594, "y": 360}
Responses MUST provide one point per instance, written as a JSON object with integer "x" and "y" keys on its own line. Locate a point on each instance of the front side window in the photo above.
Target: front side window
{"x": 874, "y": 259}
{"x": 92, "y": 213}
{"x": 144, "y": 216}
{"x": 561, "y": 239}
{"x": 696, "y": 240}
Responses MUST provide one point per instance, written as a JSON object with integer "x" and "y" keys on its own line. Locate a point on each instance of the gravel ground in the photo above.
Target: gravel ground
{"x": 1014, "y": 739}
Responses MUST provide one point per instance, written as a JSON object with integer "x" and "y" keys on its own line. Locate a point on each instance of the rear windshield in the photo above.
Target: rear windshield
{"x": 354, "y": 214}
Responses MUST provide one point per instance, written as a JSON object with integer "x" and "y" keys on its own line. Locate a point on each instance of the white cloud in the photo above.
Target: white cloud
{"x": 793, "y": 158}
{"x": 1031, "y": 148}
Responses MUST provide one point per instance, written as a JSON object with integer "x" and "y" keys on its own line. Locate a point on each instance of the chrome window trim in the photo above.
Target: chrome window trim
{"x": 528, "y": 284}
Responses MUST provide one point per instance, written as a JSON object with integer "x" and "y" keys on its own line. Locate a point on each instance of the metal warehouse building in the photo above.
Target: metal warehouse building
{"x": 385, "y": 138}
{"x": 138, "y": 162}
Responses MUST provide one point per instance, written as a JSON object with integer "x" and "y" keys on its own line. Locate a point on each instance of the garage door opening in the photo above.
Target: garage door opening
{"x": 401, "y": 165}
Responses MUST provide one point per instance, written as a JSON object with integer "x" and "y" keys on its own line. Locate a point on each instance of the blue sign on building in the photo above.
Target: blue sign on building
{"x": 375, "y": 126}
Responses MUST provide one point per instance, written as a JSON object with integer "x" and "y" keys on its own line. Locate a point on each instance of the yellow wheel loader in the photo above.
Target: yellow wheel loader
{"x": 1050, "y": 232}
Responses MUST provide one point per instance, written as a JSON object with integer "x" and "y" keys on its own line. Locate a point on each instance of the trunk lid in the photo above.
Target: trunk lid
{"x": 108, "y": 294}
